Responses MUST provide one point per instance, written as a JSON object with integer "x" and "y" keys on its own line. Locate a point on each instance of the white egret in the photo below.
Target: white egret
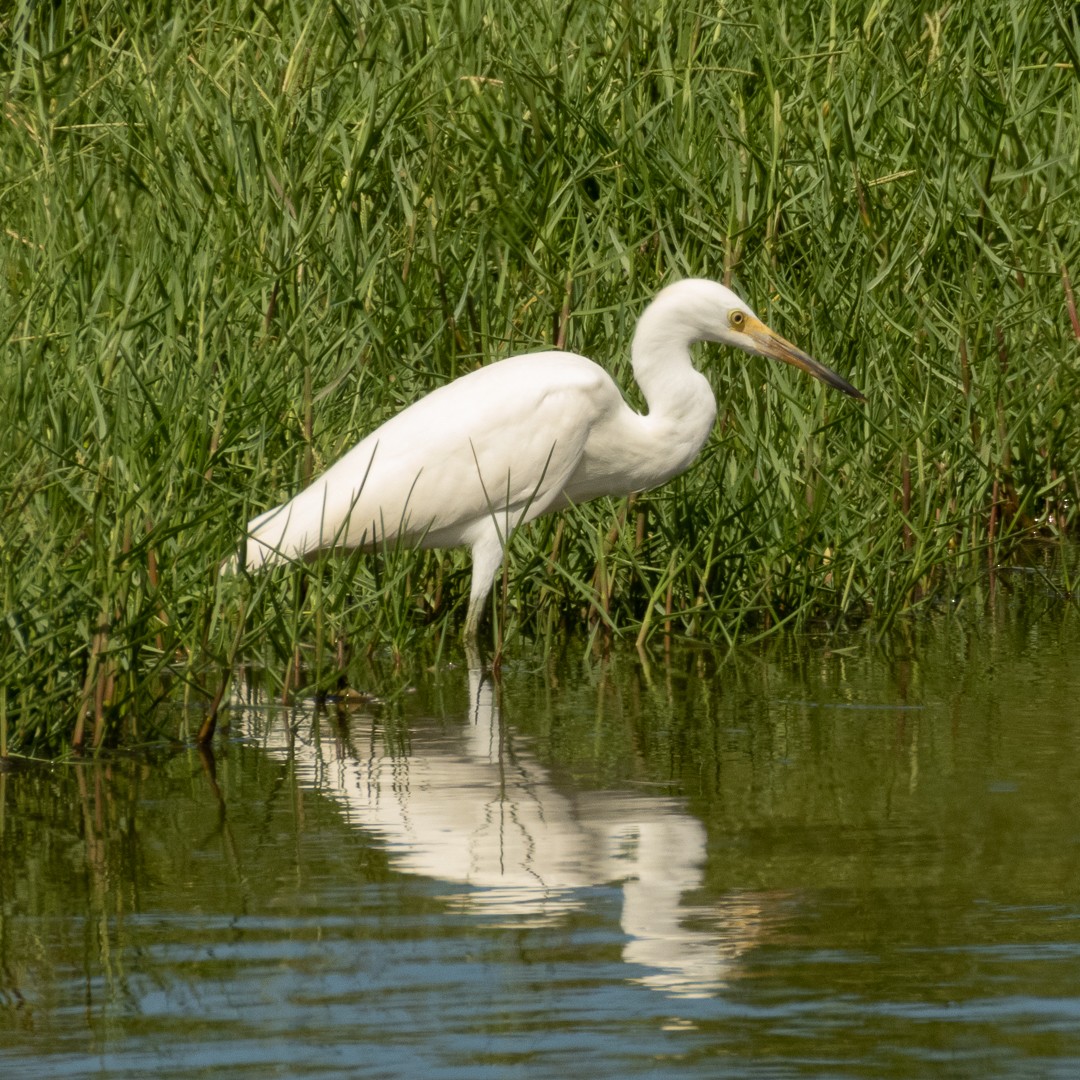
{"x": 468, "y": 463}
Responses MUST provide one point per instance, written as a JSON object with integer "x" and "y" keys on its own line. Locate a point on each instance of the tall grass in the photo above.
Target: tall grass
{"x": 237, "y": 236}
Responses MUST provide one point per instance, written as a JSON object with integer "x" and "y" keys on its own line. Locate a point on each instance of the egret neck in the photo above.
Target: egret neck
{"x": 680, "y": 400}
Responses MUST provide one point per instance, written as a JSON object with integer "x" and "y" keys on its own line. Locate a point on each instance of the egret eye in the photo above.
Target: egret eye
{"x": 737, "y": 320}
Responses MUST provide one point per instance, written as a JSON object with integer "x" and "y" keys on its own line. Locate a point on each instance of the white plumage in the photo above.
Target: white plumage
{"x": 474, "y": 459}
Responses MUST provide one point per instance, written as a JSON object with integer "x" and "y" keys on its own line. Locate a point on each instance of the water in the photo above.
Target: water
{"x": 824, "y": 856}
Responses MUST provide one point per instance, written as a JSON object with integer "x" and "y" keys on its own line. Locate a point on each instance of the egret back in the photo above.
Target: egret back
{"x": 497, "y": 445}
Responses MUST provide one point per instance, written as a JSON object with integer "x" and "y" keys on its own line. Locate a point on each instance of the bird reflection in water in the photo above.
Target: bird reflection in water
{"x": 474, "y": 808}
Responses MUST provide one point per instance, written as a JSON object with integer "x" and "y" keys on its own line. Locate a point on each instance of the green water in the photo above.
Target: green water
{"x": 828, "y": 856}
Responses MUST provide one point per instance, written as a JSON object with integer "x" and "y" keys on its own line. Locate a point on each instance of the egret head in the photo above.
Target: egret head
{"x": 712, "y": 312}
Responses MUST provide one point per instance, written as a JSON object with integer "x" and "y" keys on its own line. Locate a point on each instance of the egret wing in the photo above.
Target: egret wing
{"x": 502, "y": 441}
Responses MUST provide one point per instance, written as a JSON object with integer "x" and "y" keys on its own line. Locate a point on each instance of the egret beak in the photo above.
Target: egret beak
{"x": 769, "y": 343}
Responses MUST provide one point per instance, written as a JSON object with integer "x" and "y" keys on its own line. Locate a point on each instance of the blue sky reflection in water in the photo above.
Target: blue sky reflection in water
{"x": 822, "y": 856}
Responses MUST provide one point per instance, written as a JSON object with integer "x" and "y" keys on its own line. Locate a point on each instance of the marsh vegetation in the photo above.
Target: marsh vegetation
{"x": 236, "y": 237}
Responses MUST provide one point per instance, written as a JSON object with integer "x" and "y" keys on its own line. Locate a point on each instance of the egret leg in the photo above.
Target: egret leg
{"x": 487, "y": 557}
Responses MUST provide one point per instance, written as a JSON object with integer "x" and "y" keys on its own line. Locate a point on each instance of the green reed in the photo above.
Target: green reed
{"x": 236, "y": 237}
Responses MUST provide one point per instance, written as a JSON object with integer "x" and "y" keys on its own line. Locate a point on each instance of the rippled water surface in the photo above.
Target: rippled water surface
{"x": 822, "y": 856}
